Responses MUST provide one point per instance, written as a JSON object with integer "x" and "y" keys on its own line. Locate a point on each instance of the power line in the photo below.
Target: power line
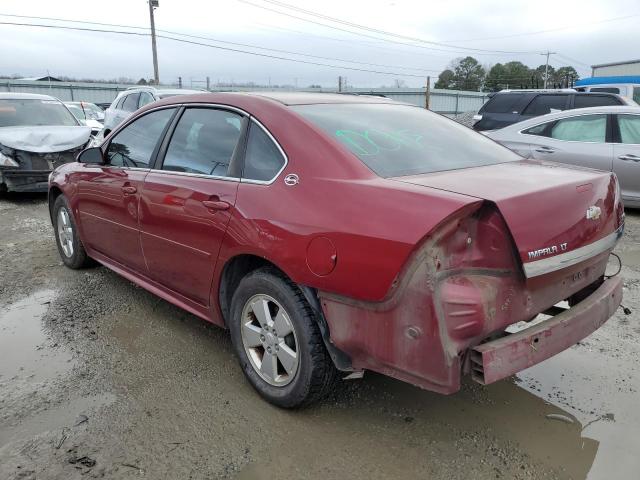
{"x": 550, "y": 30}
{"x": 463, "y": 50}
{"x": 340, "y": 67}
{"x": 229, "y": 43}
{"x": 377, "y": 30}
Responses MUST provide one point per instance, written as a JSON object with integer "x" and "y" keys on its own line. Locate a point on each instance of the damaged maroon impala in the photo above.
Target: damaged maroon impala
{"x": 333, "y": 234}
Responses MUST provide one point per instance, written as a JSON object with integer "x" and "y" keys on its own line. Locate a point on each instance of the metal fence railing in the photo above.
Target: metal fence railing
{"x": 441, "y": 101}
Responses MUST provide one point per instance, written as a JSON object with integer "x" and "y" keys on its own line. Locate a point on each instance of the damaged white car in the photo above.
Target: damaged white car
{"x": 37, "y": 134}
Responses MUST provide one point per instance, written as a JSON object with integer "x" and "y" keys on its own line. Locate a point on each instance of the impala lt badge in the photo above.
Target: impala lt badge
{"x": 543, "y": 252}
{"x": 593, "y": 212}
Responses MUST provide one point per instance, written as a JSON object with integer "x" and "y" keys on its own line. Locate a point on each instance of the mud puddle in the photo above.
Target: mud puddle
{"x": 602, "y": 398}
{"x": 28, "y": 356}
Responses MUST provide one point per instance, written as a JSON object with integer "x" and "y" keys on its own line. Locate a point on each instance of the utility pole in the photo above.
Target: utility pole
{"x": 546, "y": 68}
{"x": 154, "y": 4}
{"x": 427, "y": 93}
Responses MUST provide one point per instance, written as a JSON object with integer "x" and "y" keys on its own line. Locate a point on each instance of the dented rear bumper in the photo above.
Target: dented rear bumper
{"x": 498, "y": 359}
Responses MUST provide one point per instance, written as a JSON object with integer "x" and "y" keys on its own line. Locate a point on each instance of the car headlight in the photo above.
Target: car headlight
{"x": 6, "y": 161}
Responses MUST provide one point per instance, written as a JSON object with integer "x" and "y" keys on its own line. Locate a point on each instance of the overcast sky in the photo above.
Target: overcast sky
{"x": 579, "y": 32}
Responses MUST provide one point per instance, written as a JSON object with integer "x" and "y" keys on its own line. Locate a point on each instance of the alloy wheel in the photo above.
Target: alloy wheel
{"x": 65, "y": 232}
{"x": 269, "y": 340}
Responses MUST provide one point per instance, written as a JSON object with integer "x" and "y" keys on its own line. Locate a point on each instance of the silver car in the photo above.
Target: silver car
{"x": 606, "y": 138}
{"x": 134, "y": 98}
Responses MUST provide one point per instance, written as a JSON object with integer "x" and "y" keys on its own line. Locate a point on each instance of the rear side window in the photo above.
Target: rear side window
{"x": 263, "y": 159}
{"x": 585, "y": 128}
{"x": 543, "y": 104}
{"x": 397, "y": 140}
{"x": 585, "y": 101}
{"x": 130, "y": 103}
{"x": 134, "y": 144}
{"x": 503, "y": 103}
{"x": 204, "y": 142}
{"x": 537, "y": 130}
{"x": 145, "y": 97}
{"x": 636, "y": 95}
{"x": 629, "y": 128}
{"x": 605, "y": 89}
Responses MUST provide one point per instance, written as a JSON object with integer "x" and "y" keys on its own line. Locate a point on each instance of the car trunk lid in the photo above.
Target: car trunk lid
{"x": 551, "y": 210}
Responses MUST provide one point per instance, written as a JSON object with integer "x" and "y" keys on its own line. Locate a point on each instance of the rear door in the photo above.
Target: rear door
{"x": 189, "y": 198}
{"x": 626, "y": 157}
{"x": 108, "y": 195}
{"x": 577, "y": 140}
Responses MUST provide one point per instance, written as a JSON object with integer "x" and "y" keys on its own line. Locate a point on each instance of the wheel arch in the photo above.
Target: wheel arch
{"x": 54, "y": 193}
{"x": 239, "y": 266}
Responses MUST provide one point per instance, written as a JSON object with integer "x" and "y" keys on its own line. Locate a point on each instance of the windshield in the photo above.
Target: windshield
{"x": 77, "y": 111}
{"x": 32, "y": 112}
{"x": 398, "y": 140}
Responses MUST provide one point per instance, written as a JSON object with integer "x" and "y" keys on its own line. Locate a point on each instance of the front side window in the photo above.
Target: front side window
{"x": 130, "y": 103}
{"x": 585, "y": 128}
{"x": 629, "y": 128}
{"x": 26, "y": 112}
{"x": 503, "y": 103}
{"x": 543, "y": 104}
{"x": 397, "y": 140}
{"x": 263, "y": 159}
{"x": 204, "y": 142}
{"x": 133, "y": 146}
{"x": 636, "y": 95}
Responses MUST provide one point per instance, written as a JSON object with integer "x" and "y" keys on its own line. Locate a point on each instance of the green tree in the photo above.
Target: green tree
{"x": 446, "y": 80}
{"x": 509, "y": 75}
{"x": 468, "y": 74}
{"x": 463, "y": 74}
{"x": 564, "y": 76}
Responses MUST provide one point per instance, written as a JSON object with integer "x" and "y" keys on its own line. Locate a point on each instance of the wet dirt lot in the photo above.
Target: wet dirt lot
{"x": 100, "y": 379}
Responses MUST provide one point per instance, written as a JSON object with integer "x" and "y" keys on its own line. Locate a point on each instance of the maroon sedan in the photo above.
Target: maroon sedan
{"x": 336, "y": 234}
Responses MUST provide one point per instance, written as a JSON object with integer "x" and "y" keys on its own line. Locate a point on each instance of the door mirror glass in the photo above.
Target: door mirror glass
{"x": 91, "y": 155}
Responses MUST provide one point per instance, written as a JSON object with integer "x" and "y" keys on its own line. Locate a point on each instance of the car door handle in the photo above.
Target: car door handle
{"x": 216, "y": 204}
{"x": 630, "y": 156}
{"x": 129, "y": 190}
{"x": 545, "y": 150}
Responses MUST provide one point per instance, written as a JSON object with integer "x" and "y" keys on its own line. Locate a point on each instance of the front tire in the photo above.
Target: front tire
{"x": 278, "y": 342}
{"x": 68, "y": 241}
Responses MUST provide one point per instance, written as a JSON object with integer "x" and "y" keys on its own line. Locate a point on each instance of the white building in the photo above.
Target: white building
{"x": 630, "y": 67}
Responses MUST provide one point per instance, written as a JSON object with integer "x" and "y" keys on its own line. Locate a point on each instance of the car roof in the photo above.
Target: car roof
{"x": 283, "y": 98}
{"x": 24, "y": 96}
{"x": 308, "y": 98}
{"x": 549, "y": 117}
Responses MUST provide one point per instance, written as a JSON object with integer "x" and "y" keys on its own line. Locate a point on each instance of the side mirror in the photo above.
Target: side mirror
{"x": 91, "y": 155}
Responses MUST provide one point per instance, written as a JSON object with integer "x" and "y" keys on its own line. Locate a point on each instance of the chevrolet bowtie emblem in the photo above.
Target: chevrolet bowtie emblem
{"x": 593, "y": 212}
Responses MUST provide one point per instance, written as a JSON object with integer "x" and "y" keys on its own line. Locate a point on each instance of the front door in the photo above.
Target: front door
{"x": 187, "y": 202}
{"x": 108, "y": 195}
{"x": 626, "y": 158}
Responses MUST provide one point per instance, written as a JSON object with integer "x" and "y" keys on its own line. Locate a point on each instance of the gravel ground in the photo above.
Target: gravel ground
{"x": 100, "y": 379}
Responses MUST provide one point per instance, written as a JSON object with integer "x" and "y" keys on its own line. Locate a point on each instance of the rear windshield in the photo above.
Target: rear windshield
{"x": 398, "y": 140}
{"x": 31, "y": 112}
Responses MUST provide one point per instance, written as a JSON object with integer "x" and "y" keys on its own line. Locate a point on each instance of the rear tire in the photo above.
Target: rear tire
{"x": 278, "y": 342}
{"x": 70, "y": 246}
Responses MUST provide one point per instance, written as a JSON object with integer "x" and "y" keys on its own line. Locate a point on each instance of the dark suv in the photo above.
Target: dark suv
{"x": 508, "y": 107}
